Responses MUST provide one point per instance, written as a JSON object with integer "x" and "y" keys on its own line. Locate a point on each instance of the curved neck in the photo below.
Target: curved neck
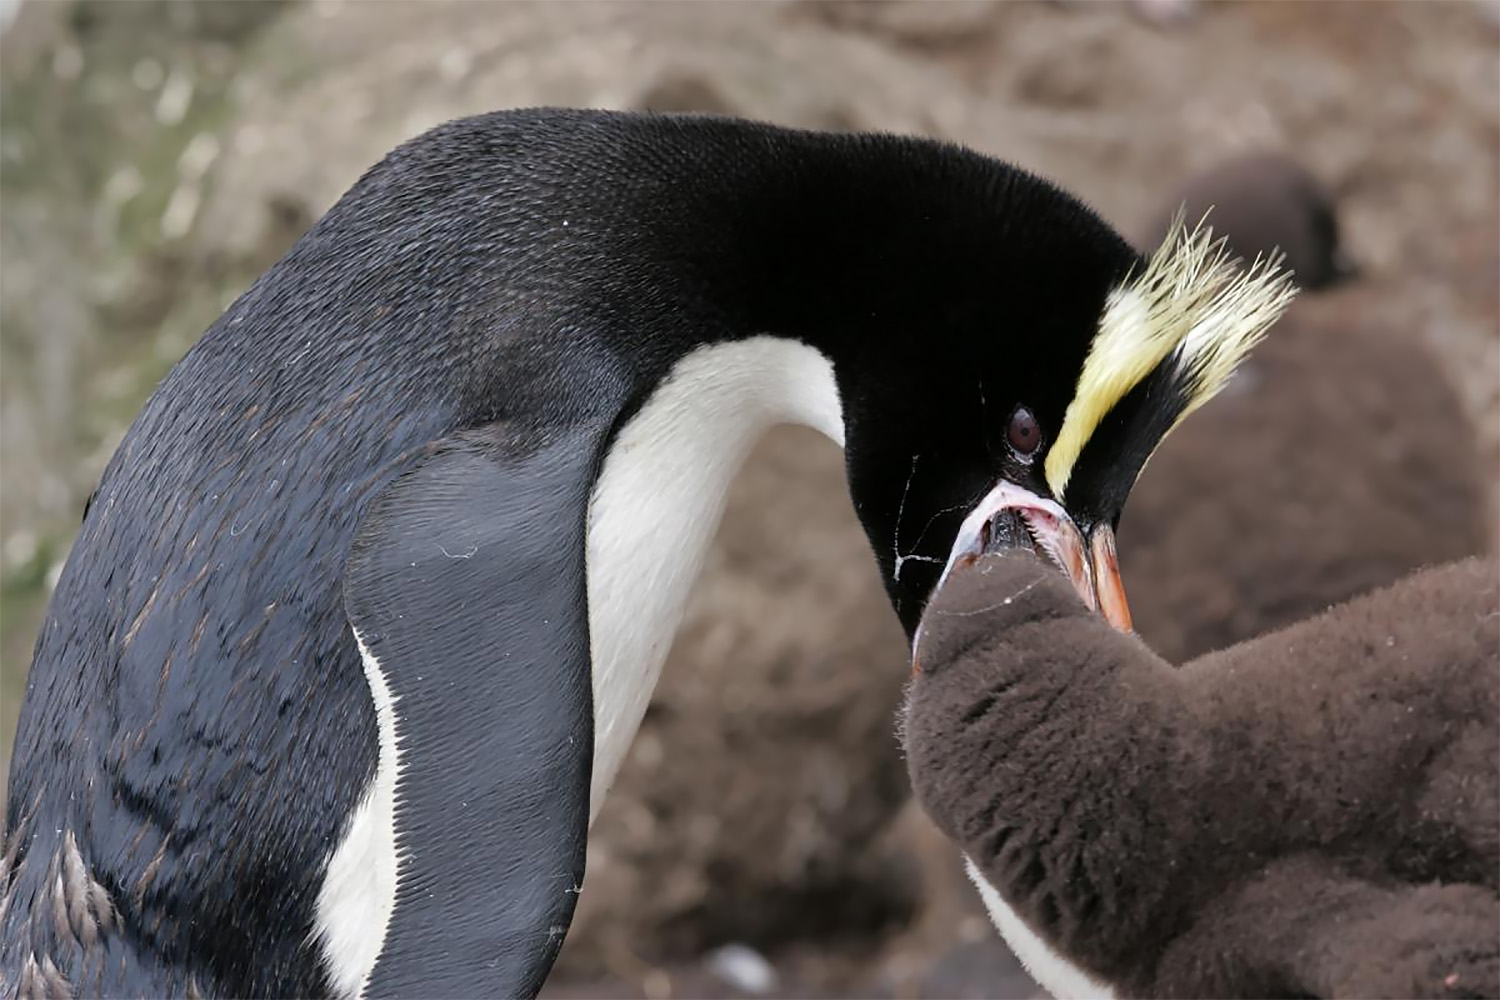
{"x": 658, "y": 502}
{"x": 844, "y": 251}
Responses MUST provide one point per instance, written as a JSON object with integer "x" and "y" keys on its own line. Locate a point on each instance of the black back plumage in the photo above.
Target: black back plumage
{"x": 197, "y": 724}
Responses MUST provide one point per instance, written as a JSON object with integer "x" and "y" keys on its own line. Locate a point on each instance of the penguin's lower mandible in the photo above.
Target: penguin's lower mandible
{"x": 372, "y": 597}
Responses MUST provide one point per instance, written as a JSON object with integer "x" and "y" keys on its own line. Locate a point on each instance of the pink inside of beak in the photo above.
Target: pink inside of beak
{"x": 1091, "y": 566}
{"x": 1052, "y": 532}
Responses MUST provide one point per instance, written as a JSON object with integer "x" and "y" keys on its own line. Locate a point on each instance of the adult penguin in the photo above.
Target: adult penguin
{"x": 374, "y": 593}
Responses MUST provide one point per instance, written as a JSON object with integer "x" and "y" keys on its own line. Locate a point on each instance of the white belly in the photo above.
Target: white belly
{"x": 658, "y": 503}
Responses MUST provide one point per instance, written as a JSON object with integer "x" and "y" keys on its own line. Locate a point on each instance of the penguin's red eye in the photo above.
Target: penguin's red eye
{"x": 1023, "y": 434}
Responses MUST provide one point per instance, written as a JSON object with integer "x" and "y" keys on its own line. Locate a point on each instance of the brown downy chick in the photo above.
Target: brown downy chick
{"x": 1340, "y": 446}
{"x": 1312, "y": 813}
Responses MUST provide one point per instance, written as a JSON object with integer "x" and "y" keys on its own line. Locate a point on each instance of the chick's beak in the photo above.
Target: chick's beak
{"x": 1012, "y": 517}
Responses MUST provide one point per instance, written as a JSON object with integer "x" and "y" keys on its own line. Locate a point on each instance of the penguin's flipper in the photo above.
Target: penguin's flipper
{"x": 466, "y": 589}
{"x": 1302, "y": 927}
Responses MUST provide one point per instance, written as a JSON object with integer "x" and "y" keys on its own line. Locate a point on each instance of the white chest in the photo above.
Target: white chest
{"x": 658, "y": 502}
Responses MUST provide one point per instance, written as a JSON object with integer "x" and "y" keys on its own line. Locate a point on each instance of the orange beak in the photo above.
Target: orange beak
{"x": 1107, "y": 583}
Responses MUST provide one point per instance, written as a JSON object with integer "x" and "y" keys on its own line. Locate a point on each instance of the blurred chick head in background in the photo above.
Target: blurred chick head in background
{"x": 1262, "y": 203}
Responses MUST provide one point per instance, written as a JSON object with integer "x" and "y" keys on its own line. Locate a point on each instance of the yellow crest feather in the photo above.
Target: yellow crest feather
{"x": 1192, "y": 303}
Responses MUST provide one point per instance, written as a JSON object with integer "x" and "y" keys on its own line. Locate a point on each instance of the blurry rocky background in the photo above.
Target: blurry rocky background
{"x": 156, "y": 156}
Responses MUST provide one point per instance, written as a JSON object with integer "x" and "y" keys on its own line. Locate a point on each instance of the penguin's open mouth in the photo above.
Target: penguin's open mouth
{"x": 1012, "y": 517}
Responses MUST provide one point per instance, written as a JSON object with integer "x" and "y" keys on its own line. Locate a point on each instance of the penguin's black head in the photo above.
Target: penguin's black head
{"x": 1035, "y": 435}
